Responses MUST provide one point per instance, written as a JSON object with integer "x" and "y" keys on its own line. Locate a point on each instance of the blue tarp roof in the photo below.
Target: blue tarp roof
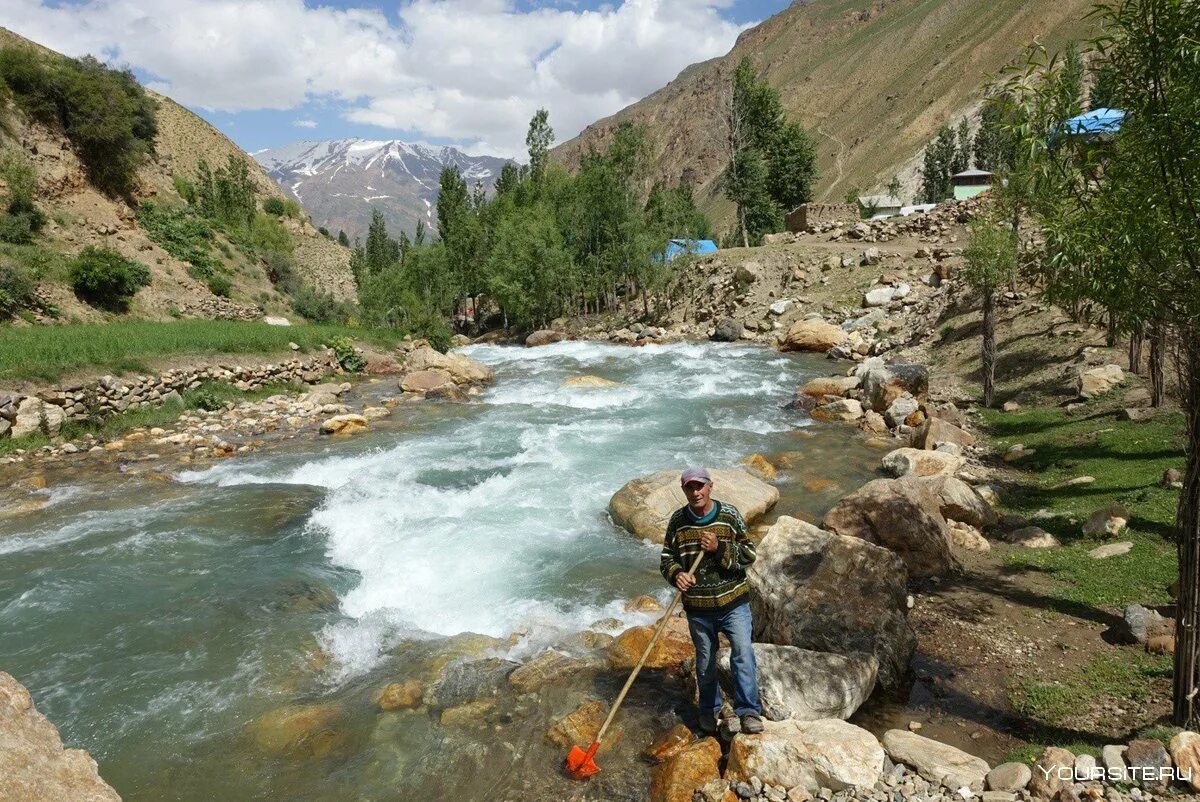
{"x": 1096, "y": 121}
{"x": 678, "y": 246}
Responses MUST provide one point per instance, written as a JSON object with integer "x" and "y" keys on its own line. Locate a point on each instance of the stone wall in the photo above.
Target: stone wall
{"x": 810, "y": 214}
{"x": 23, "y": 414}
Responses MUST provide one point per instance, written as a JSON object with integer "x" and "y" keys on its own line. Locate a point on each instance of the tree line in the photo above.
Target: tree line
{"x": 1108, "y": 227}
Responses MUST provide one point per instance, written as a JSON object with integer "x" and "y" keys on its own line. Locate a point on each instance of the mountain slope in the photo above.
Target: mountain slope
{"x": 871, "y": 81}
{"x": 339, "y": 181}
{"x": 79, "y": 215}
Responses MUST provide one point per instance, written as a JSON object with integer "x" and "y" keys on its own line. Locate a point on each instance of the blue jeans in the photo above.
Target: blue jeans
{"x": 736, "y": 626}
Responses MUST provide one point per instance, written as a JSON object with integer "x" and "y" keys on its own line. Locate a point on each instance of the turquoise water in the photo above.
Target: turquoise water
{"x": 152, "y": 621}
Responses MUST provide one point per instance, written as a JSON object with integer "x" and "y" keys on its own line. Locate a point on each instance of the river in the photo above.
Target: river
{"x": 152, "y": 622}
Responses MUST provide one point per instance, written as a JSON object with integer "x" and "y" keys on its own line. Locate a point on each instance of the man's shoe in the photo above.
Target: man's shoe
{"x": 708, "y": 722}
{"x": 730, "y": 721}
{"x": 752, "y": 724}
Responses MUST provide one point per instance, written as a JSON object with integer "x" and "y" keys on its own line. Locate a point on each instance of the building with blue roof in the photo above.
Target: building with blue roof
{"x": 1097, "y": 123}
{"x": 676, "y": 247}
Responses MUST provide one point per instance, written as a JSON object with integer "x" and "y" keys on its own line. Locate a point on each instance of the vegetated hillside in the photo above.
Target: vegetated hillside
{"x": 340, "y": 181}
{"x": 231, "y": 282}
{"x": 871, "y": 81}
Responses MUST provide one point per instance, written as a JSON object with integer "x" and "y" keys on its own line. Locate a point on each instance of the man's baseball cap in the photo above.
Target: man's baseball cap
{"x": 695, "y": 475}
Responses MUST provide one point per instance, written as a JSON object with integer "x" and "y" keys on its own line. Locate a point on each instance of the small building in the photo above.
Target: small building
{"x": 877, "y": 207}
{"x": 1097, "y": 124}
{"x": 677, "y": 247}
{"x": 810, "y": 215}
{"x": 917, "y": 208}
{"x": 970, "y": 183}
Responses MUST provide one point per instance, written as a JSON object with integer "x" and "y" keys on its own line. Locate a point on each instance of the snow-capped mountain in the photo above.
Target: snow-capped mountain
{"x": 338, "y": 181}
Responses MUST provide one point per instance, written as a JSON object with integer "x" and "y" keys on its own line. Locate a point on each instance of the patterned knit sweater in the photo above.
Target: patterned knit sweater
{"x": 721, "y": 578}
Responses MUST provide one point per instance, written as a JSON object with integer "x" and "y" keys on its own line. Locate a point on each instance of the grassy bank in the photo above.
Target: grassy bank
{"x": 46, "y": 353}
{"x": 1126, "y": 459}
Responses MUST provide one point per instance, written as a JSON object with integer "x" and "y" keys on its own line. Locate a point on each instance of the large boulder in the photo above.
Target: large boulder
{"x": 670, "y": 650}
{"x": 919, "y": 462}
{"x": 937, "y": 430}
{"x": 544, "y": 337}
{"x": 813, "y": 334}
{"x": 806, "y": 685}
{"x": 34, "y": 766}
{"x": 829, "y": 385}
{"x": 644, "y": 505}
{"x": 1185, "y": 753}
{"x": 34, "y": 415}
{"x": 727, "y": 330}
{"x": 936, "y": 761}
{"x": 847, "y": 410}
{"x": 899, "y": 514}
{"x": 883, "y": 383}
{"x": 462, "y": 369}
{"x": 423, "y": 381}
{"x": 811, "y": 755}
{"x": 828, "y": 593}
{"x": 958, "y": 501}
{"x": 1098, "y": 381}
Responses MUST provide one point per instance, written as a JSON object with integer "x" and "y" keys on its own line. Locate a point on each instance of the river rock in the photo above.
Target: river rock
{"x": 670, "y": 744}
{"x": 936, "y": 761}
{"x": 1106, "y": 522}
{"x": 899, "y": 410}
{"x": 548, "y": 667}
{"x": 1097, "y": 381}
{"x": 34, "y": 415}
{"x": 806, "y": 685}
{"x": 899, "y": 514}
{"x": 828, "y": 593}
{"x": 936, "y": 431}
{"x": 813, "y": 334}
{"x": 919, "y": 462}
{"x": 463, "y": 681}
{"x": 1141, "y": 624}
{"x": 1151, "y": 760}
{"x": 846, "y": 410}
{"x": 344, "y": 424}
{"x": 544, "y": 337}
{"x": 965, "y": 536}
{"x": 590, "y": 381}
{"x": 299, "y": 731}
{"x": 1185, "y": 752}
{"x": 958, "y": 501}
{"x": 423, "y": 381}
{"x": 883, "y": 383}
{"x": 462, "y": 369}
{"x": 678, "y": 778}
{"x": 673, "y": 647}
{"x": 758, "y": 465}
{"x": 829, "y": 385}
{"x": 727, "y": 330}
{"x": 580, "y": 726}
{"x": 400, "y": 695}
{"x": 829, "y": 753}
{"x": 1053, "y": 771}
{"x": 644, "y": 505}
{"x": 1009, "y": 777}
{"x": 34, "y": 766}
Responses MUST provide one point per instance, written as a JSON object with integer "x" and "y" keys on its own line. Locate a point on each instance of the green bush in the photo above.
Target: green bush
{"x": 347, "y": 355}
{"x": 106, "y": 279}
{"x": 181, "y": 233}
{"x": 22, "y": 219}
{"x": 219, "y": 285}
{"x": 323, "y": 231}
{"x": 105, "y": 113}
{"x": 185, "y": 188}
{"x": 281, "y": 272}
{"x": 273, "y": 205}
{"x": 292, "y": 209}
{"x": 320, "y": 307}
{"x": 267, "y": 234}
{"x": 16, "y": 289}
{"x": 16, "y": 229}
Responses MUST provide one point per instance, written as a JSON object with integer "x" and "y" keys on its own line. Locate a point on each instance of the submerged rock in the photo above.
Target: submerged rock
{"x": 829, "y": 593}
{"x": 299, "y": 731}
{"x": 590, "y": 381}
{"x": 547, "y": 667}
{"x": 644, "y": 505}
{"x": 467, "y": 680}
{"x": 400, "y": 695}
{"x": 806, "y": 685}
{"x": 34, "y": 766}
{"x": 579, "y": 727}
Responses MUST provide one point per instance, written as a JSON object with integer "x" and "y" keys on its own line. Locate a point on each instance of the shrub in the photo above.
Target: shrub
{"x": 347, "y": 355}
{"x": 106, "y": 279}
{"x": 268, "y": 234}
{"x": 185, "y": 188}
{"x": 22, "y": 218}
{"x": 16, "y": 229}
{"x": 273, "y": 205}
{"x": 105, "y": 113}
{"x": 16, "y": 289}
{"x": 219, "y": 285}
{"x": 292, "y": 209}
{"x": 181, "y": 233}
{"x": 281, "y": 272}
{"x": 206, "y": 397}
{"x": 319, "y": 307}
{"x": 323, "y": 231}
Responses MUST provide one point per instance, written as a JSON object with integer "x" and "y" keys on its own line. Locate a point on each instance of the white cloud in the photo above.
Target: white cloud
{"x": 473, "y": 71}
{"x": 304, "y": 123}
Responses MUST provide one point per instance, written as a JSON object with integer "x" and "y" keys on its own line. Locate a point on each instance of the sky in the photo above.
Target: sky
{"x": 464, "y": 72}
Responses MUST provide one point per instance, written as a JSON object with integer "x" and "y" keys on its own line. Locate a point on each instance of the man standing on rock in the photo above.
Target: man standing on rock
{"x": 716, "y": 599}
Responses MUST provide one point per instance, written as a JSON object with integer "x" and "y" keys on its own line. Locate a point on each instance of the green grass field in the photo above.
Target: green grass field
{"x": 48, "y": 352}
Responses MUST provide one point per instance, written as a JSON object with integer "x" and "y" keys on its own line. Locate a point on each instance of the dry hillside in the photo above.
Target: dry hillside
{"x": 871, "y": 81}
{"x": 79, "y": 216}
